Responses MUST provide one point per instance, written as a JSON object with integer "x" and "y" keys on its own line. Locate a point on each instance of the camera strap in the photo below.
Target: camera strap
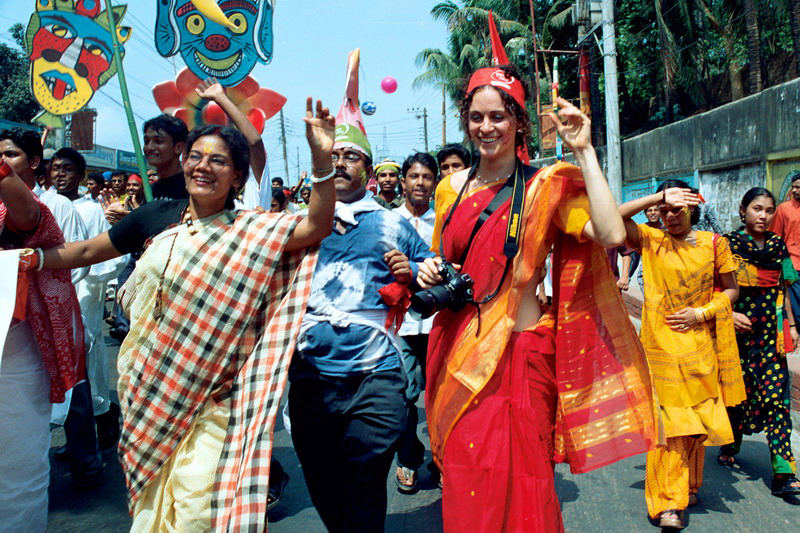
{"x": 514, "y": 187}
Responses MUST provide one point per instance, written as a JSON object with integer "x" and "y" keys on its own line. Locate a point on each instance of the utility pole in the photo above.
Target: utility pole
{"x": 444, "y": 119}
{"x": 613, "y": 145}
{"x": 297, "y": 172}
{"x": 423, "y": 114}
{"x": 283, "y": 142}
{"x": 536, "y": 89}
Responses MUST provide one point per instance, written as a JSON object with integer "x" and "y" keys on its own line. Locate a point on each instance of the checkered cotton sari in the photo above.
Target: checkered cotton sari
{"x": 232, "y": 302}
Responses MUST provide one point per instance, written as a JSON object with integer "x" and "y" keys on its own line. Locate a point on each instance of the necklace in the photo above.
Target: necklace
{"x": 186, "y": 217}
{"x": 480, "y": 178}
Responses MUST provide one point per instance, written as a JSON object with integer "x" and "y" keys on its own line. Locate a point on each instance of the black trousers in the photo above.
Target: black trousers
{"x": 345, "y": 433}
{"x": 410, "y": 450}
{"x": 79, "y": 428}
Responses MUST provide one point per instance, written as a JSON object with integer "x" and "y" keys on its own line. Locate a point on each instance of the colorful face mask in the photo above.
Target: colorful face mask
{"x": 70, "y": 50}
{"x": 211, "y": 49}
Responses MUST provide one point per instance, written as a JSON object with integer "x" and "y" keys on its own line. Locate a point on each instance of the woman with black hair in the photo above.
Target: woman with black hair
{"x": 687, "y": 334}
{"x": 503, "y": 378}
{"x": 215, "y": 304}
{"x": 764, "y": 271}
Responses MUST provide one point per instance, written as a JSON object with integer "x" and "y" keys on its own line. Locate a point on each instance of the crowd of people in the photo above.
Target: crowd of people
{"x": 364, "y": 285}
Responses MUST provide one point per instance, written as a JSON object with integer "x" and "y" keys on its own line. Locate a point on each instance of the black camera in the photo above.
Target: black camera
{"x": 453, "y": 292}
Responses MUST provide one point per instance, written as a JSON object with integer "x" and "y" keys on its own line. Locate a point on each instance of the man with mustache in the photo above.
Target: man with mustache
{"x": 347, "y": 401}
{"x": 387, "y": 175}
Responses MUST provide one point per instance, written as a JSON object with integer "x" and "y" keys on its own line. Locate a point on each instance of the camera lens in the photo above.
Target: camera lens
{"x": 426, "y": 303}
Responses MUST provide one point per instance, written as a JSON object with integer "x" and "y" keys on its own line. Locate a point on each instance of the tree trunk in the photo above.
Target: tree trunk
{"x": 668, "y": 60}
{"x": 734, "y": 70}
{"x": 755, "y": 83}
{"x": 795, "y": 22}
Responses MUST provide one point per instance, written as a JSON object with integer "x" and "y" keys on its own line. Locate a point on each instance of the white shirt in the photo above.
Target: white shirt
{"x": 424, "y": 226}
{"x": 95, "y": 221}
{"x": 68, "y": 220}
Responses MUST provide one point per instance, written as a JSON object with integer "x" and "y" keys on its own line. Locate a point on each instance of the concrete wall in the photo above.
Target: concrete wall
{"x": 741, "y": 132}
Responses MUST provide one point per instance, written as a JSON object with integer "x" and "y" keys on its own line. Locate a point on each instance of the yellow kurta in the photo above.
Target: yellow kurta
{"x": 695, "y": 373}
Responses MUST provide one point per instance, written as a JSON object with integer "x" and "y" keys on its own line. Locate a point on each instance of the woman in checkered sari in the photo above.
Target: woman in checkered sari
{"x": 215, "y": 303}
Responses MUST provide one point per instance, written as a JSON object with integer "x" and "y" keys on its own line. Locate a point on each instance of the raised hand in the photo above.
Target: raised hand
{"x": 677, "y": 197}
{"x": 210, "y": 89}
{"x": 112, "y": 207}
{"x": 576, "y": 128}
{"x": 320, "y": 128}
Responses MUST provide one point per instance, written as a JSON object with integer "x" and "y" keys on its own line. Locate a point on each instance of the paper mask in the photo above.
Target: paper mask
{"x": 178, "y": 98}
{"x": 70, "y": 50}
{"x": 210, "y": 48}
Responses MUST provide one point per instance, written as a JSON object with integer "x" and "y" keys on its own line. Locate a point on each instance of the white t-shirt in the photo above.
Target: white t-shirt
{"x": 424, "y": 226}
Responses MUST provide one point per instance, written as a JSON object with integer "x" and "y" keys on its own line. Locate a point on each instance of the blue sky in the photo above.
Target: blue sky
{"x": 312, "y": 39}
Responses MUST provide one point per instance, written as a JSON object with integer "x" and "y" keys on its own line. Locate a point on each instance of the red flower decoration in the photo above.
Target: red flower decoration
{"x": 178, "y": 98}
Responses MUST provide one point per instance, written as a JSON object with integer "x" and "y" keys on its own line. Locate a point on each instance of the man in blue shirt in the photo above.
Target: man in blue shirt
{"x": 347, "y": 396}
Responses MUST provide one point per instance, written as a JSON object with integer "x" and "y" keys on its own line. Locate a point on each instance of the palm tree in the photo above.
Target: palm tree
{"x": 794, "y": 16}
{"x": 753, "y": 46}
{"x": 469, "y": 46}
{"x": 724, "y": 20}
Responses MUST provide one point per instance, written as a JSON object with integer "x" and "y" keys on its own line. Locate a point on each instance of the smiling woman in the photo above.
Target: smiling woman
{"x": 499, "y": 369}
{"x": 214, "y": 302}
{"x": 214, "y": 305}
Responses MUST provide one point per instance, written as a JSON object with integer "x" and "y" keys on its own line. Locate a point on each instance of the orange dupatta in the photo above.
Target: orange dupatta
{"x": 605, "y": 409}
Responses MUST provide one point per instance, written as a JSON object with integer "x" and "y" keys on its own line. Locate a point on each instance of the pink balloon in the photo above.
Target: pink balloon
{"x": 389, "y": 84}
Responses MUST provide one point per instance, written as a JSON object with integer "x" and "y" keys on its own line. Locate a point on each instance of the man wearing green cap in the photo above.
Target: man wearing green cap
{"x": 347, "y": 397}
{"x": 387, "y": 174}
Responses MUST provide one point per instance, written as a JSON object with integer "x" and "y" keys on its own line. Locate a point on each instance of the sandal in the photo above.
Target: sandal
{"x": 436, "y": 474}
{"x": 726, "y": 460}
{"x": 275, "y": 492}
{"x": 406, "y": 480}
{"x": 785, "y": 486}
{"x": 671, "y": 518}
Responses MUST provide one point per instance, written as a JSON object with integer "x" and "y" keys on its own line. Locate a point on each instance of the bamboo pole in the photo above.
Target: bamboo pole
{"x": 126, "y": 102}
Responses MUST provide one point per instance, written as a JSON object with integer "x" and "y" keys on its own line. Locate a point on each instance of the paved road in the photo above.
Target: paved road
{"x": 608, "y": 500}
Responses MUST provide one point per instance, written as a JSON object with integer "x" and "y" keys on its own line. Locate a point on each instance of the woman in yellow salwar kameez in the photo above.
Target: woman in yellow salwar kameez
{"x": 688, "y": 336}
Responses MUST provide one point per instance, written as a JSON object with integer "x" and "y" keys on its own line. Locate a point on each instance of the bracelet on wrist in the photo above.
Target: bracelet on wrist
{"x": 40, "y": 255}
{"x": 318, "y": 176}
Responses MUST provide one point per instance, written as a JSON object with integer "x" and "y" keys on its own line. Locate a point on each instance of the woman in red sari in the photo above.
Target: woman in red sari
{"x": 513, "y": 390}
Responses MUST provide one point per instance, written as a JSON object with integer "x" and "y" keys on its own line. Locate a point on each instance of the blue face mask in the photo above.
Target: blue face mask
{"x": 209, "y": 49}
